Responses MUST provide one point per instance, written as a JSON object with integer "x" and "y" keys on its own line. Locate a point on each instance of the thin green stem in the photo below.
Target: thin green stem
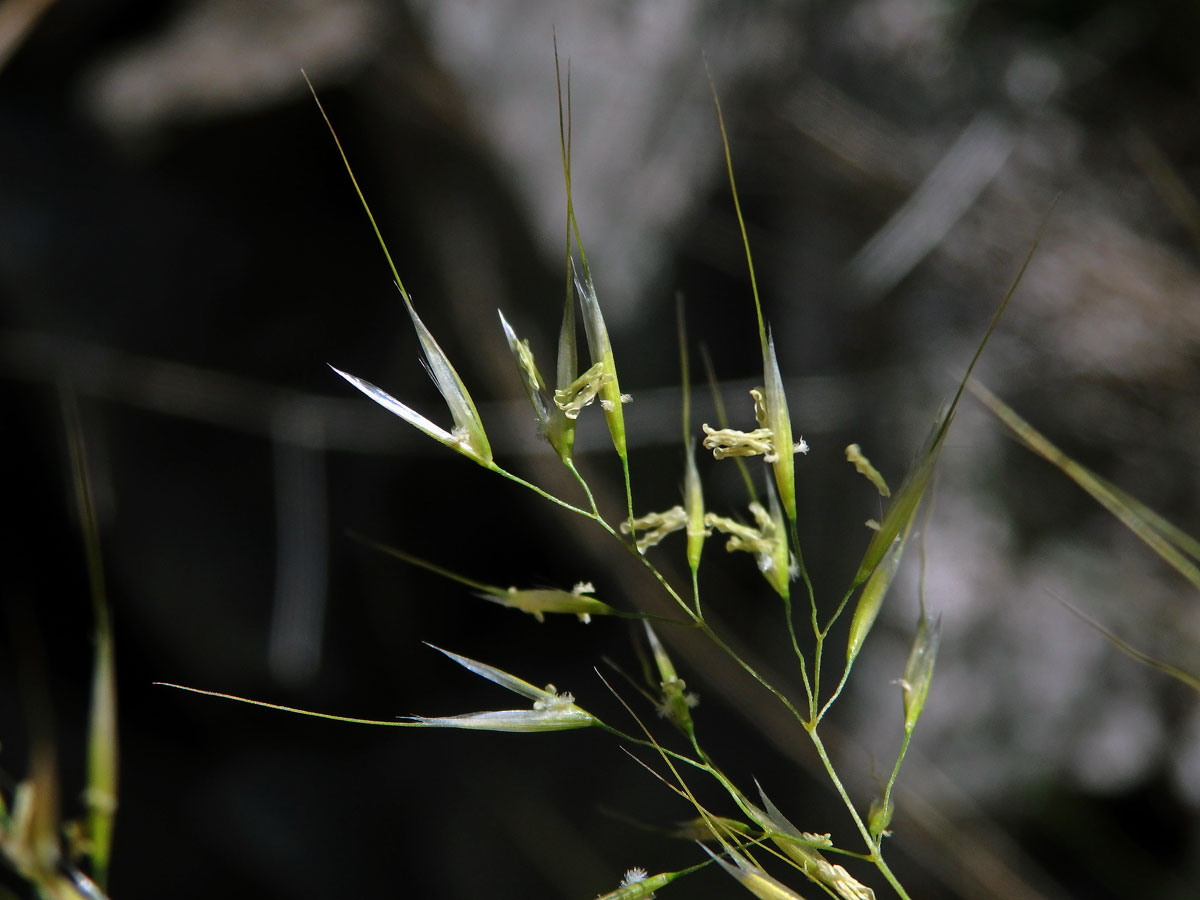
{"x": 821, "y": 635}
{"x": 732, "y": 789}
{"x": 737, "y": 208}
{"x": 291, "y": 709}
{"x": 628, "y": 495}
{"x": 658, "y": 576}
{"x": 818, "y": 653}
{"x": 570, "y": 464}
{"x": 887, "y": 793}
{"x": 696, "y": 746}
{"x": 791, "y": 627}
{"x": 362, "y": 199}
{"x": 696, "y": 592}
{"x": 705, "y": 628}
{"x": 794, "y": 535}
{"x": 642, "y": 742}
{"x": 542, "y": 493}
{"x": 841, "y": 789}
{"x": 886, "y": 871}
{"x": 685, "y": 375}
{"x": 631, "y": 547}
{"x": 424, "y": 564}
{"x": 836, "y": 693}
{"x": 875, "y": 855}
{"x": 841, "y": 607}
{"x": 779, "y": 695}
{"x": 812, "y": 689}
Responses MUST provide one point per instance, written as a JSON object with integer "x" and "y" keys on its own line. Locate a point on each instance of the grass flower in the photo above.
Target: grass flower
{"x": 879, "y": 816}
{"x": 726, "y": 442}
{"x": 902, "y": 511}
{"x": 605, "y": 380}
{"x": 467, "y": 436}
{"x": 677, "y": 701}
{"x": 918, "y": 670}
{"x": 752, "y": 878}
{"x": 693, "y": 505}
{"x": 766, "y": 539}
{"x": 535, "y": 601}
{"x": 687, "y": 517}
{"x": 870, "y": 601}
{"x": 772, "y": 439}
{"x": 582, "y": 391}
{"x": 555, "y": 424}
{"x": 539, "y": 601}
{"x": 802, "y": 849}
{"x": 637, "y": 885}
{"x": 551, "y": 711}
{"x": 771, "y": 411}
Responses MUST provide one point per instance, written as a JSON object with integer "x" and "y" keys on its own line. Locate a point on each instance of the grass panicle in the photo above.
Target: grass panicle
{"x": 758, "y": 846}
{"x": 769, "y": 534}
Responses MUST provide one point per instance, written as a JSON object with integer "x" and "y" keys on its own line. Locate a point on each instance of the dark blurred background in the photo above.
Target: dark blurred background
{"x": 181, "y": 248}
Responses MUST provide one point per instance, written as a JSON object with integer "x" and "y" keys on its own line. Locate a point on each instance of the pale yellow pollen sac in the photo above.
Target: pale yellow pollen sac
{"x": 760, "y": 407}
{"x": 763, "y": 541}
{"x": 724, "y": 442}
{"x": 760, "y": 541}
{"x": 582, "y": 391}
{"x": 763, "y": 518}
{"x": 732, "y": 527}
{"x": 656, "y": 526}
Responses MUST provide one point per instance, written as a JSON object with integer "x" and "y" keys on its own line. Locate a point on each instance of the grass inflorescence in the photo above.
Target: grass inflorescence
{"x": 749, "y": 837}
